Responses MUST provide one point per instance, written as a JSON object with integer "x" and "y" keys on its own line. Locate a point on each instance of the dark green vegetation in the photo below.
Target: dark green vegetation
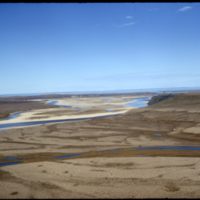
{"x": 159, "y": 98}
{"x": 184, "y": 101}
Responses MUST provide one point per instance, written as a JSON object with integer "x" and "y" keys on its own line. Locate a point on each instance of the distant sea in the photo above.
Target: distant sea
{"x": 153, "y": 90}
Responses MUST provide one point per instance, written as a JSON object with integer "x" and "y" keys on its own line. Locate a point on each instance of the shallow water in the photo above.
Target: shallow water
{"x": 136, "y": 103}
{"x": 193, "y": 148}
{"x": 2, "y": 164}
{"x": 12, "y": 116}
{"x": 12, "y": 160}
{"x": 139, "y": 102}
{"x": 67, "y": 156}
{"x": 55, "y": 103}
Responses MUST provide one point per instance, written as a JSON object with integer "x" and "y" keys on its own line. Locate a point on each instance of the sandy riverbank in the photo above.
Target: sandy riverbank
{"x": 28, "y": 116}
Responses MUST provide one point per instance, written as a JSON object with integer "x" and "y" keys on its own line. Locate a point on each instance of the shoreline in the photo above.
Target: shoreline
{"x": 62, "y": 119}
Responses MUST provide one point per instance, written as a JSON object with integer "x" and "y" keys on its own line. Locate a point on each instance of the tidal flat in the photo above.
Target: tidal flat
{"x": 148, "y": 152}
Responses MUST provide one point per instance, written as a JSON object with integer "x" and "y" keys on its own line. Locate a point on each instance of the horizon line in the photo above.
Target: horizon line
{"x": 166, "y": 89}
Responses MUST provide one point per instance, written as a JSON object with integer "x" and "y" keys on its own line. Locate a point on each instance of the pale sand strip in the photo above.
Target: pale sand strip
{"x": 25, "y": 117}
{"x": 88, "y": 102}
{"x": 82, "y": 103}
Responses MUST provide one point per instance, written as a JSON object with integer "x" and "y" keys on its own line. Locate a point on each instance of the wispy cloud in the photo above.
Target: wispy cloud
{"x": 185, "y": 8}
{"x": 128, "y": 24}
{"x": 129, "y": 17}
{"x": 125, "y": 24}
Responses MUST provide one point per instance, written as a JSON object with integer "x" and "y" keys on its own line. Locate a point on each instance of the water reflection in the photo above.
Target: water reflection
{"x": 56, "y": 103}
{"x": 139, "y": 102}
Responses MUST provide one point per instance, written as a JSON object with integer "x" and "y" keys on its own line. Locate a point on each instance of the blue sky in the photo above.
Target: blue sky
{"x": 100, "y": 46}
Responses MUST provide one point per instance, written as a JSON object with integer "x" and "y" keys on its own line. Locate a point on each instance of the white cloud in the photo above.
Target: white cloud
{"x": 128, "y": 24}
{"x": 185, "y": 8}
{"x": 125, "y": 24}
{"x": 129, "y": 17}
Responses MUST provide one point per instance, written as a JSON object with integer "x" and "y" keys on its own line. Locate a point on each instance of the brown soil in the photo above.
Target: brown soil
{"x": 7, "y": 107}
{"x": 3, "y": 115}
{"x": 109, "y": 164}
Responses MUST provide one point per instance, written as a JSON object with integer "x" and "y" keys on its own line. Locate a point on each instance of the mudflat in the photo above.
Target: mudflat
{"x": 113, "y": 157}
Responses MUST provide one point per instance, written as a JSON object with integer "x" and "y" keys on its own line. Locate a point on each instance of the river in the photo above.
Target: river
{"x": 135, "y": 103}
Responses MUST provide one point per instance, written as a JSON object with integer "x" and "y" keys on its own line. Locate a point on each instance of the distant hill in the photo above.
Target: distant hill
{"x": 176, "y": 101}
{"x": 158, "y": 98}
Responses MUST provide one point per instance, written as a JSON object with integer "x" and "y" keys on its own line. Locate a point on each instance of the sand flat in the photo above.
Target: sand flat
{"x": 159, "y": 177}
{"x": 95, "y": 106}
